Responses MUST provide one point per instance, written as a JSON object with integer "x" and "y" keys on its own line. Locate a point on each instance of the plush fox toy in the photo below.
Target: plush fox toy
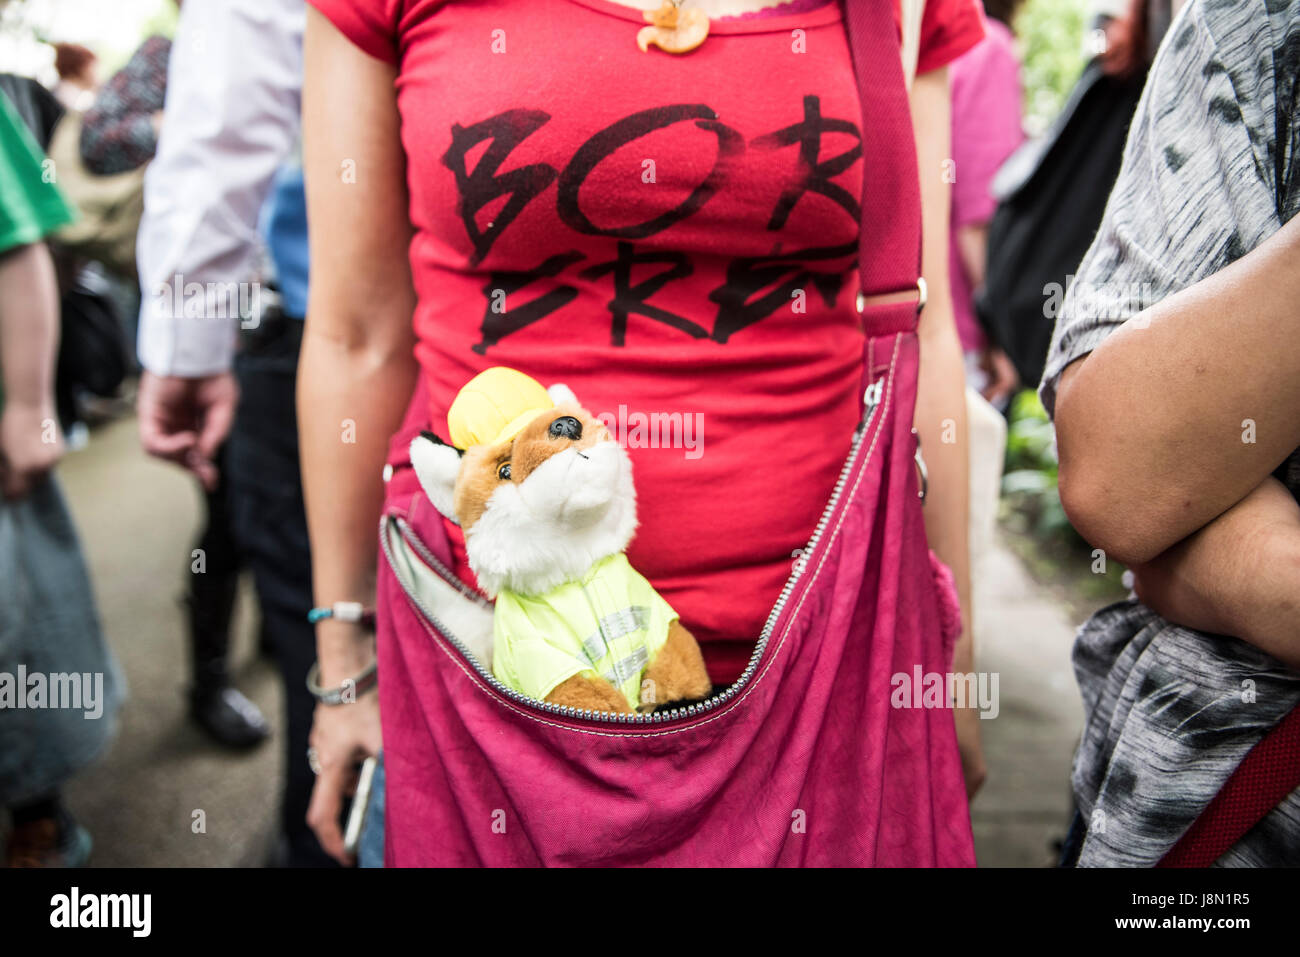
{"x": 544, "y": 495}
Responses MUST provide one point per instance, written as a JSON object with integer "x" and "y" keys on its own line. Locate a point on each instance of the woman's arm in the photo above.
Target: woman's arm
{"x": 357, "y": 371}
{"x": 1186, "y": 408}
{"x": 1239, "y": 575}
{"x": 941, "y": 393}
{"x": 973, "y": 251}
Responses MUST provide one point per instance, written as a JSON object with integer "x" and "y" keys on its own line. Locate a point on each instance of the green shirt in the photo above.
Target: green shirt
{"x": 31, "y": 205}
{"x": 611, "y": 622}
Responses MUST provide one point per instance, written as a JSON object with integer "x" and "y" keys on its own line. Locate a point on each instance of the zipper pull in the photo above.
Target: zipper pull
{"x": 871, "y": 398}
{"x": 922, "y": 473}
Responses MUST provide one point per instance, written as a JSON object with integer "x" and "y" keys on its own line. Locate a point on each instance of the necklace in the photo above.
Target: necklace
{"x": 672, "y": 29}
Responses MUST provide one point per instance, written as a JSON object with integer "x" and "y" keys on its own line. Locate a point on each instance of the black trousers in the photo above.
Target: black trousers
{"x": 210, "y": 597}
{"x": 270, "y": 528}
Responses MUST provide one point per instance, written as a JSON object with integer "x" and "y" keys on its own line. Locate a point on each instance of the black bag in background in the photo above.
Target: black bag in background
{"x": 1052, "y": 195}
{"x": 38, "y": 108}
{"x": 93, "y": 355}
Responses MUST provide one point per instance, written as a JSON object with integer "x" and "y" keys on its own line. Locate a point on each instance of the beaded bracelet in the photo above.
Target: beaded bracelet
{"x": 345, "y": 611}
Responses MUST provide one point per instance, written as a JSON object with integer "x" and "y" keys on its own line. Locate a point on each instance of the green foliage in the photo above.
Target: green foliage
{"x": 1029, "y": 480}
{"x": 162, "y": 21}
{"x": 1032, "y": 513}
{"x": 1053, "y": 37}
{"x": 1031, "y": 441}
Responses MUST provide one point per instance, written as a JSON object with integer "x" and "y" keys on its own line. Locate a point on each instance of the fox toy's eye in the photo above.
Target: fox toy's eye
{"x": 503, "y": 473}
{"x": 566, "y": 427}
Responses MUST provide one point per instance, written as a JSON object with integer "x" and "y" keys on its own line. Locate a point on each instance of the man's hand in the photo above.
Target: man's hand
{"x": 186, "y": 420}
{"x": 31, "y": 444}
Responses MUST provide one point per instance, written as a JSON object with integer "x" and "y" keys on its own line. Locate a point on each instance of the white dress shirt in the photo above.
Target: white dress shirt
{"x": 231, "y": 117}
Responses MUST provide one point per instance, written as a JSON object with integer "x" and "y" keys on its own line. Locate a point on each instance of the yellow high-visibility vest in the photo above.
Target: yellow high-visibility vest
{"x": 611, "y": 622}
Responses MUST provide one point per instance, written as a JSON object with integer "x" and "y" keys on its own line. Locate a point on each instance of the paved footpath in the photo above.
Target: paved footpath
{"x": 137, "y": 519}
{"x": 1024, "y": 635}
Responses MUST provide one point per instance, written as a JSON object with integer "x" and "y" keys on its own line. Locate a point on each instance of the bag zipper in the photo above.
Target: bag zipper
{"x": 871, "y": 401}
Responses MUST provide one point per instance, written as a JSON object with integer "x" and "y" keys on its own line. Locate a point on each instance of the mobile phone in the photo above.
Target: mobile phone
{"x": 360, "y": 804}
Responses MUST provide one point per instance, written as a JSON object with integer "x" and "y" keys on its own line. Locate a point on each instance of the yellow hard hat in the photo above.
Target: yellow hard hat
{"x": 494, "y": 407}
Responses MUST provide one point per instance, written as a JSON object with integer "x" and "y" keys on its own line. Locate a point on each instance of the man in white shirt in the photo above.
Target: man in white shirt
{"x": 230, "y": 121}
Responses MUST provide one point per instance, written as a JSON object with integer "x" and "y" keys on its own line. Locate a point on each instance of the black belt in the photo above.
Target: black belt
{"x": 269, "y": 323}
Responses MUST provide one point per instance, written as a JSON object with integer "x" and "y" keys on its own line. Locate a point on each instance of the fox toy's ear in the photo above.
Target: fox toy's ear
{"x": 436, "y": 465}
{"x": 561, "y": 393}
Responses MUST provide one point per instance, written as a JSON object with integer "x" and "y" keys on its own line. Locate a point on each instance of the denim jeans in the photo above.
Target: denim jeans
{"x": 370, "y": 851}
{"x": 1073, "y": 841}
{"x": 49, "y": 626}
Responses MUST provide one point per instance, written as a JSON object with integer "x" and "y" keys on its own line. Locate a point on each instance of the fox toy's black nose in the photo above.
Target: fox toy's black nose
{"x": 566, "y": 427}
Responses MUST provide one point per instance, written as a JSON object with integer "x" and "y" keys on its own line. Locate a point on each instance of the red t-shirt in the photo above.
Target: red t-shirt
{"x": 672, "y": 236}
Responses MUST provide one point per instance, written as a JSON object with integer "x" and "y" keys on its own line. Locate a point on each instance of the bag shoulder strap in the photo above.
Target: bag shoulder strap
{"x": 891, "y": 202}
{"x": 1260, "y": 783}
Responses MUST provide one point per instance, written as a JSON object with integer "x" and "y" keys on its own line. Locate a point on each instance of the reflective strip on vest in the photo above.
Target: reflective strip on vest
{"x": 609, "y": 623}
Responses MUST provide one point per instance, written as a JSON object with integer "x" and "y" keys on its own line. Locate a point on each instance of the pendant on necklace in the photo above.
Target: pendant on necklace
{"x": 672, "y": 29}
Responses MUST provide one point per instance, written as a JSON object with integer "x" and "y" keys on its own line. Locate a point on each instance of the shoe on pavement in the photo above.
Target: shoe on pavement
{"x": 228, "y": 717}
{"x": 48, "y": 842}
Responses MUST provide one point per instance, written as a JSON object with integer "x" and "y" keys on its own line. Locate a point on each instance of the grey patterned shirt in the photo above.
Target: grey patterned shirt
{"x": 1209, "y": 173}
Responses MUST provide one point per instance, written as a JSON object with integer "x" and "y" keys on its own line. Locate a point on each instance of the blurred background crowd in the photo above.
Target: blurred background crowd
{"x": 180, "y": 769}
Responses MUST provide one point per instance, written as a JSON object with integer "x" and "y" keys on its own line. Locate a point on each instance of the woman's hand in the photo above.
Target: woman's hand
{"x": 973, "y": 768}
{"x": 343, "y": 736}
{"x": 31, "y": 444}
{"x": 1238, "y": 576}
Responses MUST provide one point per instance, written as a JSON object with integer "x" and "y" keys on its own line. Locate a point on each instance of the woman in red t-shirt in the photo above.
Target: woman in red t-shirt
{"x": 673, "y": 234}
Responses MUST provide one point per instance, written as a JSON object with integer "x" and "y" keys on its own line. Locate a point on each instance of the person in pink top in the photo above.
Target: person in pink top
{"x": 987, "y": 101}
{"x": 659, "y": 232}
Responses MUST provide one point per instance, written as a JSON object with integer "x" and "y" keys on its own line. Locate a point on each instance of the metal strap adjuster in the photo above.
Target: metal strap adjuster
{"x": 885, "y": 298}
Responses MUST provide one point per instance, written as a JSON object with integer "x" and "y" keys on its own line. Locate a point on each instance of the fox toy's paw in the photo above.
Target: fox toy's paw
{"x": 589, "y": 694}
{"x": 677, "y": 672}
